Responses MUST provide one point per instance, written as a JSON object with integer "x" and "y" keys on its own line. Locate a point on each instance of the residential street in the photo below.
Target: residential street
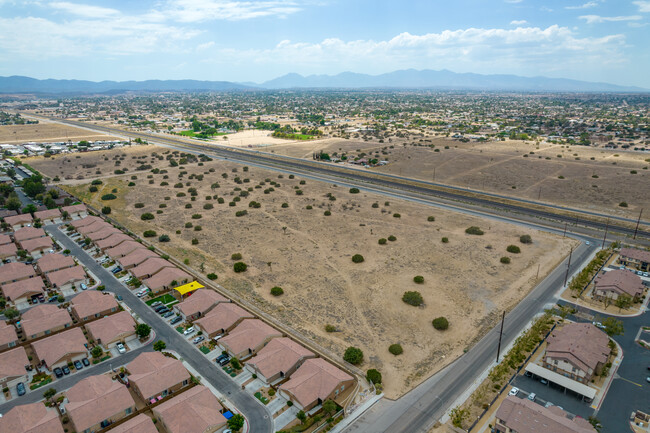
{"x": 257, "y": 415}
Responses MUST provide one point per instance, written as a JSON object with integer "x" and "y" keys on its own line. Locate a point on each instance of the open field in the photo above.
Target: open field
{"x": 599, "y": 184}
{"x": 308, "y": 254}
{"x": 79, "y": 166}
{"x": 47, "y": 132}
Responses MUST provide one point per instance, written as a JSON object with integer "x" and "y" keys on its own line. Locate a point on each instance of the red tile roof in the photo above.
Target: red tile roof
{"x": 136, "y": 257}
{"x": 620, "y": 281}
{"x": 316, "y": 378}
{"x": 582, "y": 344}
{"x": 108, "y": 329}
{"x": 280, "y": 355}
{"x": 15, "y": 271}
{"x": 31, "y": 418}
{"x": 44, "y": 317}
{"x": 525, "y": 416}
{"x": 165, "y": 277}
{"x": 94, "y": 399}
{"x": 30, "y": 286}
{"x": 37, "y": 244}
{"x": 53, "y": 349}
{"x": 51, "y": 262}
{"x": 153, "y": 372}
{"x": 13, "y": 362}
{"x": 47, "y": 214}
{"x": 27, "y": 233}
{"x": 223, "y": 316}
{"x": 7, "y": 333}
{"x": 65, "y": 276}
{"x": 92, "y": 302}
{"x": 194, "y": 411}
{"x": 201, "y": 300}
{"x": 140, "y": 424}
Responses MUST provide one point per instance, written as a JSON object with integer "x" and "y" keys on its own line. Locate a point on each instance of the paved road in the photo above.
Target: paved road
{"x": 67, "y": 381}
{"x": 258, "y": 417}
{"x": 418, "y": 410}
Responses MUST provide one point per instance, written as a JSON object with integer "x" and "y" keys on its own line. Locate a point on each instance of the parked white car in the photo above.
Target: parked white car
{"x": 120, "y": 348}
{"x": 188, "y": 331}
{"x": 514, "y": 391}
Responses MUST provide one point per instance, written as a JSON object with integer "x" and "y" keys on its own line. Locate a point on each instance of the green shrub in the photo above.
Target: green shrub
{"x": 240, "y": 213}
{"x": 195, "y": 241}
{"x": 395, "y": 349}
{"x": 212, "y": 276}
{"x": 163, "y": 238}
{"x": 440, "y": 323}
{"x": 418, "y": 279}
{"x": 525, "y": 239}
{"x": 96, "y": 182}
{"x": 382, "y": 241}
{"x": 146, "y": 216}
{"x": 623, "y": 204}
{"x": 357, "y": 258}
{"x": 431, "y": 218}
{"x": 240, "y": 267}
{"x": 285, "y": 205}
{"x": 375, "y": 205}
{"x": 330, "y": 328}
{"x": 473, "y": 230}
{"x": 327, "y": 213}
{"x": 106, "y": 210}
{"x": 505, "y": 260}
{"x": 149, "y": 233}
{"x": 373, "y": 376}
{"x": 354, "y": 190}
{"x": 93, "y": 189}
{"x": 514, "y": 249}
{"x": 396, "y": 215}
{"x": 208, "y": 206}
{"x": 139, "y": 205}
{"x": 277, "y": 291}
{"x": 236, "y": 256}
{"x": 445, "y": 240}
{"x": 392, "y": 238}
{"x": 413, "y": 298}
{"x": 197, "y": 216}
{"x": 353, "y": 355}
{"x": 109, "y": 197}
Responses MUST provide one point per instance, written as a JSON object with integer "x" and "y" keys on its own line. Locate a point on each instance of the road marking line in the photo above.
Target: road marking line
{"x": 633, "y": 383}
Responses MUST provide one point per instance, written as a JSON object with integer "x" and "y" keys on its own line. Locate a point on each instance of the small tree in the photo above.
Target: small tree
{"x": 445, "y": 240}
{"x": 277, "y": 291}
{"x": 212, "y": 276}
{"x": 236, "y": 256}
{"x": 163, "y": 238}
{"x": 96, "y": 352}
{"x": 440, "y": 323}
{"x": 146, "y": 216}
{"x": 396, "y": 349}
{"x": 149, "y": 233}
{"x": 392, "y": 238}
{"x": 418, "y": 279}
{"x": 142, "y": 330}
{"x": 505, "y": 260}
{"x": 431, "y": 218}
{"x": 357, "y": 258}
{"x": 235, "y": 363}
{"x": 329, "y": 406}
{"x": 106, "y": 210}
{"x": 236, "y": 422}
{"x": 301, "y": 416}
{"x": 624, "y": 301}
{"x": 373, "y": 376}
{"x": 159, "y": 346}
{"x": 240, "y": 267}
{"x": 413, "y": 298}
{"x": 49, "y": 394}
{"x": 354, "y": 190}
{"x": 474, "y": 230}
{"x": 382, "y": 241}
{"x": 353, "y": 355}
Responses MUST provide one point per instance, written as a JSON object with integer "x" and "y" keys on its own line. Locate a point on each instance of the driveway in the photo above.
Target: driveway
{"x": 257, "y": 415}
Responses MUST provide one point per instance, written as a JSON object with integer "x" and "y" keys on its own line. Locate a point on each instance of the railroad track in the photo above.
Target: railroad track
{"x": 358, "y": 177}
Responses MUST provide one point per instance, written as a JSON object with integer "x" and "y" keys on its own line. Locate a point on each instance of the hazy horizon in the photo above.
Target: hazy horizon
{"x": 256, "y": 41}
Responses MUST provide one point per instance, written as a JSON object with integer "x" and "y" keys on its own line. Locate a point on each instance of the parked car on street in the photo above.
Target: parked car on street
{"x": 513, "y": 391}
{"x": 532, "y": 396}
{"x": 120, "y": 348}
{"x": 53, "y": 299}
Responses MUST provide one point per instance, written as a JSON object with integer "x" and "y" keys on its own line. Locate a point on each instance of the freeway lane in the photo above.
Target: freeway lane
{"x": 257, "y": 415}
{"x": 361, "y": 178}
{"x": 418, "y": 410}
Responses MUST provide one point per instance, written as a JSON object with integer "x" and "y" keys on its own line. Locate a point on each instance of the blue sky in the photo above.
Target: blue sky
{"x": 250, "y": 40}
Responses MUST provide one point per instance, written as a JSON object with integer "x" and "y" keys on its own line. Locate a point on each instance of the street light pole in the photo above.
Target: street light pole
{"x": 568, "y": 266}
{"x": 503, "y": 319}
{"x": 605, "y": 237}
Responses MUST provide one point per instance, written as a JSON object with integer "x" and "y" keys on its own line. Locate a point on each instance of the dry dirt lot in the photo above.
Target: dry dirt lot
{"x": 599, "y": 184}
{"x": 47, "y": 132}
{"x": 309, "y": 255}
{"x": 101, "y": 163}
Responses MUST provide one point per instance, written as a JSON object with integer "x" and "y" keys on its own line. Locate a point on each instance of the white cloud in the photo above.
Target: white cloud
{"x": 527, "y": 50}
{"x": 205, "y": 46}
{"x": 597, "y": 19}
{"x": 190, "y": 11}
{"x": 518, "y": 22}
{"x": 83, "y": 10}
{"x": 644, "y": 5}
{"x": 513, "y": 1}
{"x": 591, "y": 4}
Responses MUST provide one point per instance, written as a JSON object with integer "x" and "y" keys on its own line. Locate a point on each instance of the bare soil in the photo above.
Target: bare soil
{"x": 47, "y": 132}
{"x": 309, "y": 255}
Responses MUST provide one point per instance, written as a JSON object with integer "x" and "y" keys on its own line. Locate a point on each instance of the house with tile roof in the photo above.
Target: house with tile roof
{"x": 247, "y": 338}
{"x": 49, "y": 216}
{"x": 517, "y": 415}
{"x": 135, "y": 257}
{"x": 103, "y": 233}
{"x": 112, "y": 241}
{"x": 315, "y": 382}
{"x": 19, "y": 221}
{"x": 8, "y": 336}
{"x": 54, "y": 262}
{"x": 123, "y": 249}
{"x": 113, "y": 329}
{"x": 31, "y": 418}
{"x": 37, "y": 247}
{"x": 12, "y": 272}
{"x": 166, "y": 279}
{"x": 44, "y": 319}
{"x": 61, "y": 348}
{"x": 92, "y": 304}
{"x": 577, "y": 351}
{"x": 278, "y": 360}
{"x": 8, "y": 252}
{"x": 152, "y": 374}
{"x": 635, "y": 258}
{"x": 199, "y": 303}
{"x": 150, "y": 267}
{"x": 96, "y": 402}
{"x": 75, "y": 211}
{"x": 94, "y": 227}
{"x": 140, "y": 424}
{"x": 195, "y": 411}
{"x": 613, "y": 284}
{"x": 64, "y": 279}
{"x": 12, "y": 367}
{"x": 221, "y": 319}
{"x": 22, "y": 291}
{"x": 28, "y": 233}
{"x": 85, "y": 221}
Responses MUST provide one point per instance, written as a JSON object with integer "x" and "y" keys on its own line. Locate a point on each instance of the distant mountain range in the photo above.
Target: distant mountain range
{"x": 404, "y": 79}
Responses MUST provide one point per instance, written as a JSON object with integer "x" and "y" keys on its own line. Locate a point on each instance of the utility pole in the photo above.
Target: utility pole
{"x": 540, "y": 193}
{"x": 537, "y": 276}
{"x": 605, "y": 237}
{"x": 568, "y": 266}
{"x": 565, "y": 224}
{"x": 503, "y": 319}
{"x": 637, "y": 223}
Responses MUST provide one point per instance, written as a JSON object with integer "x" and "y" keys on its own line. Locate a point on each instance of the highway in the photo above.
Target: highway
{"x": 363, "y": 179}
